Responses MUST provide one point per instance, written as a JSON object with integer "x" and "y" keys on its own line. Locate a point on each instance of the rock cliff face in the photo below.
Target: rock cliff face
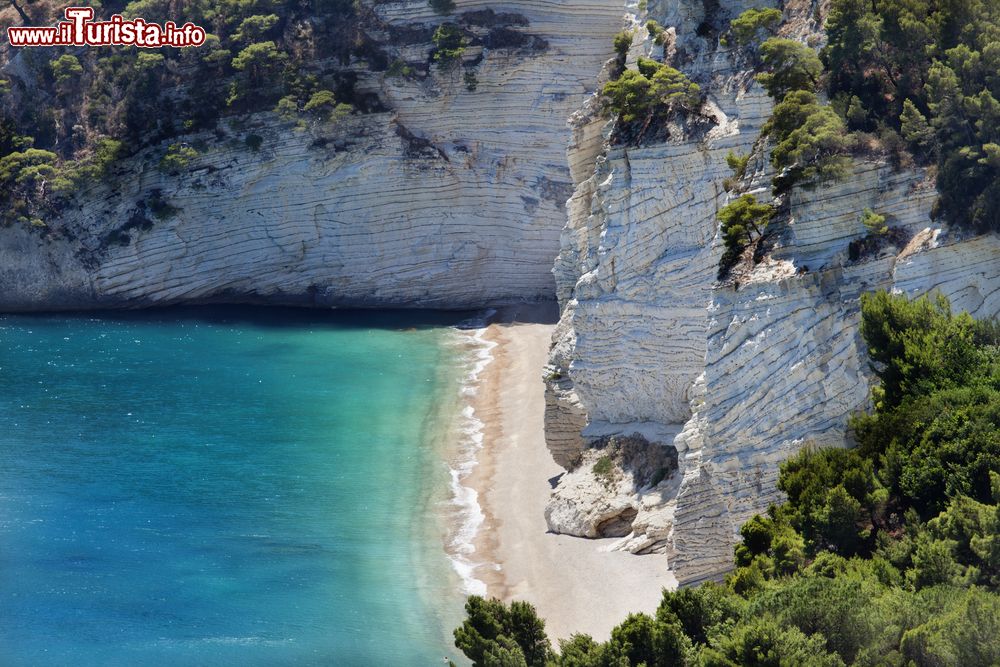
{"x": 451, "y": 198}
{"x": 733, "y": 377}
{"x": 691, "y": 390}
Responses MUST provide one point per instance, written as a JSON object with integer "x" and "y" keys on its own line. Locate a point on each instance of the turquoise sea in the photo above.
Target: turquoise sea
{"x": 225, "y": 486}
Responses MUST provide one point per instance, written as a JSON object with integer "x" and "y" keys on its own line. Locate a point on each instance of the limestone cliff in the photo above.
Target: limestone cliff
{"x": 733, "y": 376}
{"x": 450, "y": 198}
{"x": 683, "y": 392}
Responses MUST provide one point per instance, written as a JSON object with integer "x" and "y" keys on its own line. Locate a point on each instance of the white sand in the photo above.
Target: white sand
{"x": 575, "y": 583}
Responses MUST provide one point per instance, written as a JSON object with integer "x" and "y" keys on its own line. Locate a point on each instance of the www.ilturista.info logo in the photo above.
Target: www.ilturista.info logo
{"x": 79, "y": 30}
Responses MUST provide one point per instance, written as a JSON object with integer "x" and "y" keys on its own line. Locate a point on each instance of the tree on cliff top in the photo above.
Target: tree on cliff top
{"x": 653, "y": 89}
{"x": 811, "y": 142}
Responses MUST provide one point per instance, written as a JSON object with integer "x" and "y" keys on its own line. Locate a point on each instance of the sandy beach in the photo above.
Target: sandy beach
{"x": 576, "y": 584}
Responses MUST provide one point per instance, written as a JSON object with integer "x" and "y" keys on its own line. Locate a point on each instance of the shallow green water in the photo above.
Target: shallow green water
{"x": 223, "y": 487}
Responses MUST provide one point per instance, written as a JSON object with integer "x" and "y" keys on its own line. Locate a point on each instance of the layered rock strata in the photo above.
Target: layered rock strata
{"x": 451, "y": 198}
{"x": 734, "y": 376}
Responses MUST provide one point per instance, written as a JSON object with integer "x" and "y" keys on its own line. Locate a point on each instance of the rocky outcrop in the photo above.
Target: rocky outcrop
{"x": 614, "y": 480}
{"x": 739, "y": 375}
{"x": 451, "y": 198}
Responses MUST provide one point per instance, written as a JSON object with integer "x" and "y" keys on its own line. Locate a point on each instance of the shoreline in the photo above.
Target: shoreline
{"x": 465, "y": 434}
{"x": 576, "y": 584}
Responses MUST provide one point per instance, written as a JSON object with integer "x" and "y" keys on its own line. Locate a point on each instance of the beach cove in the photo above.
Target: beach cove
{"x": 274, "y": 485}
{"x": 576, "y": 584}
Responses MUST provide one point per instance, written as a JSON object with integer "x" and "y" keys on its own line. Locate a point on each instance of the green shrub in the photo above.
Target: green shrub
{"x": 702, "y": 609}
{"x": 399, "y": 68}
{"x": 321, "y": 100}
{"x": 763, "y": 642}
{"x": 254, "y": 28}
{"x": 919, "y": 346}
{"x": 177, "y": 158}
{"x": 628, "y": 96}
{"x": 753, "y": 23}
{"x": 604, "y": 468}
{"x": 874, "y": 223}
{"x": 492, "y": 629}
{"x": 105, "y": 153}
{"x": 916, "y": 130}
{"x": 655, "y": 88}
{"x": 27, "y": 169}
{"x": 258, "y": 59}
{"x": 287, "y": 107}
{"x": 323, "y": 104}
{"x": 66, "y": 68}
{"x": 470, "y": 80}
{"x": 260, "y": 63}
{"x": 643, "y": 640}
{"x": 656, "y": 31}
{"x": 965, "y": 632}
{"x": 622, "y": 43}
{"x": 672, "y": 90}
{"x": 738, "y": 163}
{"x": 811, "y": 143}
{"x": 449, "y": 43}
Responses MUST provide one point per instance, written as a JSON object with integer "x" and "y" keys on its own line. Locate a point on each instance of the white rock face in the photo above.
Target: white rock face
{"x": 736, "y": 380}
{"x": 452, "y": 199}
{"x": 605, "y": 502}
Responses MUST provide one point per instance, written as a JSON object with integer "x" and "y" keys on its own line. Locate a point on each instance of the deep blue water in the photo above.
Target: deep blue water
{"x": 222, "y": 487}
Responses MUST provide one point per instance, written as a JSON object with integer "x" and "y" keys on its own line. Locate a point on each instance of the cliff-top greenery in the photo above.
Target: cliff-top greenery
{"x": 913, "y": 80}
{"x": 70, "y": 113}
{"x": 649, "y": 94}
{"x": 927, "y": 72}
{"x": 910, "y": 76}
{"x": 886, "y": 554}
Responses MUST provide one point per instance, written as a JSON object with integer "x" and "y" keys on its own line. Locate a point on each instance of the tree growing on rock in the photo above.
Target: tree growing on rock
{"x": 791, "y": 66}
{"x": 811, "y": 143}
{"x": 628, "y": 96}
{"x": 671, "y": 89}
{"x": 654, "y": 88}
{"x": 323, "y": 104}
{"x": 259, "y": 64}
{"x": 753, "y": 24}
{"x": 744, "y": 221}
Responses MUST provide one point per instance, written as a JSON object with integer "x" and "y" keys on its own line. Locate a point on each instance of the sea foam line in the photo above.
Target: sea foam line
{"x": 461, "y": 546}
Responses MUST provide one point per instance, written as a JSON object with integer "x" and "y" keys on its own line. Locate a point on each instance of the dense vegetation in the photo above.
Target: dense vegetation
{"x": 70, "y": 113}
{"x": 912, "y": 80}
{"x": 884, "y": 554}
{"x": 929, "y": 71}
